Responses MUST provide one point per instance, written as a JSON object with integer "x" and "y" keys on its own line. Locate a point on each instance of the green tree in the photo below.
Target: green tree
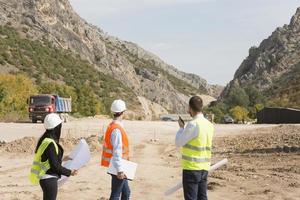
{"x": 88, "y": 103}
{"x": 14, "y": 92}
{"x": 239, "y": 113}
{"x": 252, "y": 113}
{"x": 237, "y": 97}
{"x": 255, "y": 96}
{"x": 254, "y": 109}
{"x": 258, "y": 107}
{"x": 218, "y": 110}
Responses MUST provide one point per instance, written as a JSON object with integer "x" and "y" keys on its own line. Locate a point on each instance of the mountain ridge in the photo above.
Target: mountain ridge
{"x": 149, "y": 77}
{"x": 275, "y": 60}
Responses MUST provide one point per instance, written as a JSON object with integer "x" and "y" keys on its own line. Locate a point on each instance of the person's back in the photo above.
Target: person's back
{"x": 196, "y": 141}
{"x": 197, "y": 152}
{"x": 116, "y": 148}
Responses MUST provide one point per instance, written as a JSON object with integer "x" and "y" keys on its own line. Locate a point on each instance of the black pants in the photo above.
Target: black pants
{"x": 119, "y": 189}
{"x": 195, "y": 184}
{"x": 49, "y": 187}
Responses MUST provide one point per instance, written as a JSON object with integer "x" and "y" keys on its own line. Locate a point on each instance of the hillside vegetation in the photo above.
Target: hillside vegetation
{"x": 59, "y": 71}
{"x": 14, "y": 90}
{"x": 286, "y": 90}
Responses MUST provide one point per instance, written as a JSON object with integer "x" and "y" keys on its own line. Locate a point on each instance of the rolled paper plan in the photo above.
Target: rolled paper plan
{"x": 80, "y": 155}
{"x": 212, "y": 168}
{"x": 218, "y": 165}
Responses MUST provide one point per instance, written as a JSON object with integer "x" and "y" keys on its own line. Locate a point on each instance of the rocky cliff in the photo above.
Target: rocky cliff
{"x": 159, "y": 87}
{"x": 273, "y": 67}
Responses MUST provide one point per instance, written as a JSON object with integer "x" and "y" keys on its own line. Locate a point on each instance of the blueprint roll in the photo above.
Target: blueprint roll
{"x": 80, "y": 156}
{"x": 218, "y": 165}
{"x": 212, "y": 168}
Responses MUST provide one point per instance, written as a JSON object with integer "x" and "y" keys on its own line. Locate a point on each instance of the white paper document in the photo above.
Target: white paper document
{"x": 128, "y": 166}
{"x": 80, "y": 155}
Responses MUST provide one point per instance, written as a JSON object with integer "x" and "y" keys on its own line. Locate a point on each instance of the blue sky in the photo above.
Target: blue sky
{"x": 206, "y": 37}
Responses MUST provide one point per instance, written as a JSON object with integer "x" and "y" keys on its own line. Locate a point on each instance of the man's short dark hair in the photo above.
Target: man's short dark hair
{"x": 196, "y": 104}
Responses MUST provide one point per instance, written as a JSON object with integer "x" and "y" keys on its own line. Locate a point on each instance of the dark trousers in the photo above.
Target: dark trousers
{"x": 119, "y": 189}
{"x": 195, "y": 184}
{"x": 49, "y": 187}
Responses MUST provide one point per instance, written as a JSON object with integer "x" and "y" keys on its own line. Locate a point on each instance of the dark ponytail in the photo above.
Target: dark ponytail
{"x": 52, "y": 133}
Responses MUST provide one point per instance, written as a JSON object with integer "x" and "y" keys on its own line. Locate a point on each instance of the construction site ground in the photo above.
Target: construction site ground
{"x": 264, "y": 161}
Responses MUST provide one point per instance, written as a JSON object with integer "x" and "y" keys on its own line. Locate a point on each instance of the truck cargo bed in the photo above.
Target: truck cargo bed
{"x": 63, "y": 105}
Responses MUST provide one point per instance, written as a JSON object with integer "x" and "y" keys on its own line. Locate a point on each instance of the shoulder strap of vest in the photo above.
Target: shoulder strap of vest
{"x": 115, "y": 125}
{"x": 46, "y": 142}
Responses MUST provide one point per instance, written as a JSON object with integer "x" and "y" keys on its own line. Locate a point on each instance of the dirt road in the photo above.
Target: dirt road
{"x": 264, "y": 161}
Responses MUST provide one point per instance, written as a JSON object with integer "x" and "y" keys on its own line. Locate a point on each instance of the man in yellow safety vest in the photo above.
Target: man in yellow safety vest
{"x": 195, "y": 140}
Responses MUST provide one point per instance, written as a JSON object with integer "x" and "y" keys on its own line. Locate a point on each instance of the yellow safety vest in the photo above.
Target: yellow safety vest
{"x": 196, "y": 154}
{"x": 40, "y": 168}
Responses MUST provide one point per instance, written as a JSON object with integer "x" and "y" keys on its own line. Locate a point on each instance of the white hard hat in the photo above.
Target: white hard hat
{"x": 51, "y": 121}
{"x": 118, "y": 106}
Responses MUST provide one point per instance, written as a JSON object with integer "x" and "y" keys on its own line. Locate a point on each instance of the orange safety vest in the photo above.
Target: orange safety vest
{"x": 107, "y": 152}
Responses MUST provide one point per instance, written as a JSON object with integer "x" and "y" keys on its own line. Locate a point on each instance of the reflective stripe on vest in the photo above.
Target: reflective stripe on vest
{"x": 106, "y": 159}
{"x": 39, "y": 164}
{"x": 39, "y": 168}
{"x": 196, "y": 154}
{"x": 188, "y": 146}
{"x": 107, "y": 152}
{"x": 198, "y": 160}
{"x": 34, "y": 171}
{"x": 125, "y": 150}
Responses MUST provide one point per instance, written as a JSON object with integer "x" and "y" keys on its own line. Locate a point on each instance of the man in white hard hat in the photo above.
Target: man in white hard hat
{"x": 116, "y": 148}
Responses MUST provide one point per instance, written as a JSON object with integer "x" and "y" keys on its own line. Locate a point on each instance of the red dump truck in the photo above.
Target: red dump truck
{"x": 43, "y": 104}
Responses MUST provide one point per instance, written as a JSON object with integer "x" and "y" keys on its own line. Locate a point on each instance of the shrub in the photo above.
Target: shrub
{"x": 239, "y": 113}
{"x": 14, "y": 92}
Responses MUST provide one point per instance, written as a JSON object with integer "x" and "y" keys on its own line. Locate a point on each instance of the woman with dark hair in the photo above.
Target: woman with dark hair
{"x": 46, "y": 168}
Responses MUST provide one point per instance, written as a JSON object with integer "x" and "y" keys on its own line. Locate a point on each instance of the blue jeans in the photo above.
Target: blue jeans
{"x": 195, "y": 184}
{"x": 119, "y": 189}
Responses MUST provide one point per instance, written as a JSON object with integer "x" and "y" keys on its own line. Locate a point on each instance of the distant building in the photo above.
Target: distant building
{"x": 278, "y": 116}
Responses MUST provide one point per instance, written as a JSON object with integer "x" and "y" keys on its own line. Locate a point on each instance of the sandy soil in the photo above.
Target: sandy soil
{"x": 264, "y": 161}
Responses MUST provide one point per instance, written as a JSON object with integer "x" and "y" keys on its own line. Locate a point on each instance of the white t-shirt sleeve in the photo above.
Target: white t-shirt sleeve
{"x": 116, "y": 141}
{"x": 184, "y": 135}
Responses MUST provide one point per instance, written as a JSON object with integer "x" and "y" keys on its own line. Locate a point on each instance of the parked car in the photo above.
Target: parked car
{"x": 168, "y": 119}
{"x": 228, "y": 120}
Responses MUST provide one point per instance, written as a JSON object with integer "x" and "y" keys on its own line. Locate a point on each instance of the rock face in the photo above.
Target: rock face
{"x": 151, "y": 79}
{"x": 275, "y": 59}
